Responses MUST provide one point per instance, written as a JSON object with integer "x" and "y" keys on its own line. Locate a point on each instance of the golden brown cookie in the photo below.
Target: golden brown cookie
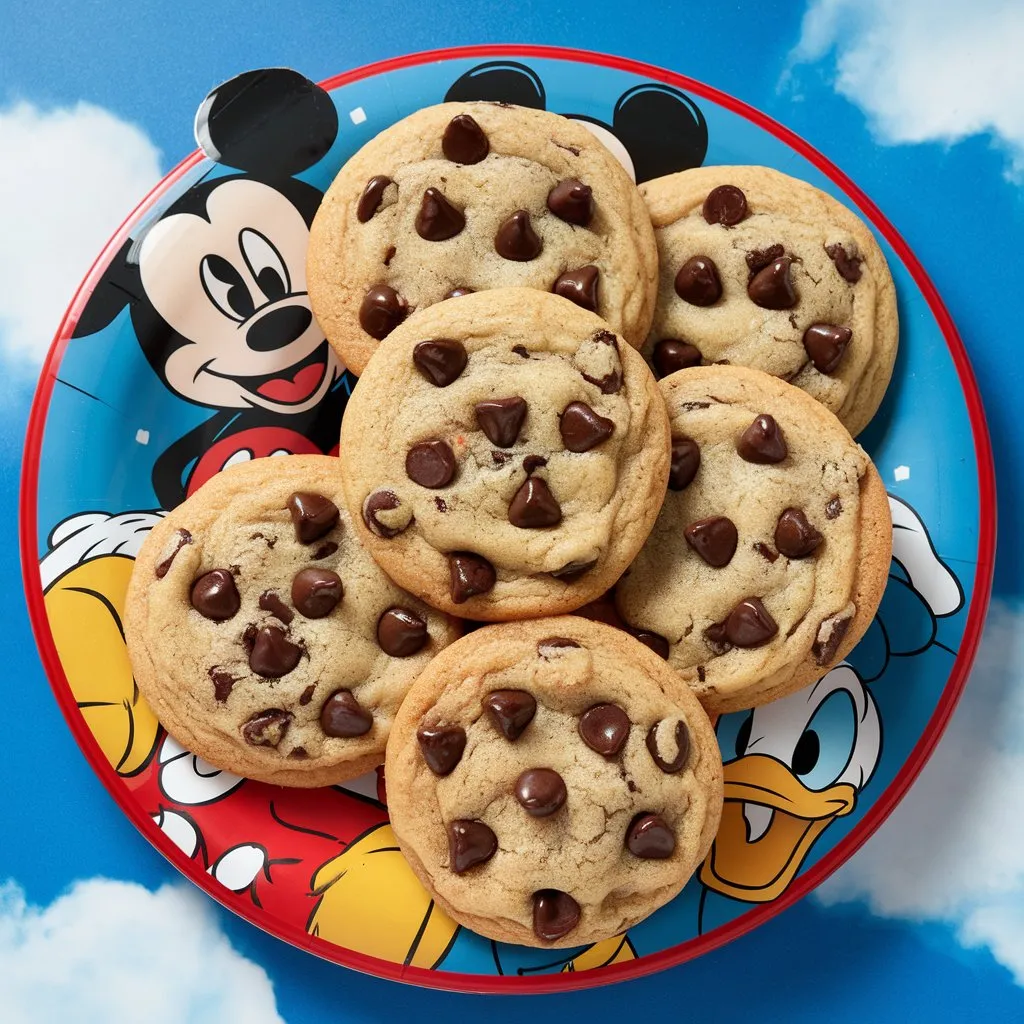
{"x": 262, "y": 633}
{"x": 763, "y": 270}
{"x": 468, "y": 196}
{"x": 552, "y": 782}
{"x": 772, "y": 549}
{"x": 504, "y": 455}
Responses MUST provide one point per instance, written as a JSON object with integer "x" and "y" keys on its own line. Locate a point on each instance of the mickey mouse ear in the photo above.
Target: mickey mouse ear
{"x": 662, "y": 128}
{"x": 499, "y": 81}
{"x": 273, "y": 123}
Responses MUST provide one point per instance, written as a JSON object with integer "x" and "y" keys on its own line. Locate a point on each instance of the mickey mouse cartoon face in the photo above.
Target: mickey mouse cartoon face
{"x": 225, "y": 270}
{"x": 216, "y": 284}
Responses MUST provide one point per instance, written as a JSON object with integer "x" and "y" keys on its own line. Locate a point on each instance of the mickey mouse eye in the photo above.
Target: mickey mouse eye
{"x": 225, "y": 288}
{"x": 265, "y": 263}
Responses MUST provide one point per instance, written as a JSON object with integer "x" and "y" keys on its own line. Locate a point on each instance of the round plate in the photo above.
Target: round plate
{"x": 148, "y": 390}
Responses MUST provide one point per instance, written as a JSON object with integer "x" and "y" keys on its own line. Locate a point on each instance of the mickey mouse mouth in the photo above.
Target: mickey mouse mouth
{"x": 292, "y": 385}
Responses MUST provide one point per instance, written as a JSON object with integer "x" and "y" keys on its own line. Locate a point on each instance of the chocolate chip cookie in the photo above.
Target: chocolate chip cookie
{"x": 505, "y": 454}
{"x": 552, "y": 782}
{"x": 263, "y": 634}
{"x": 762, "y": 270}
{"x": 462, "y": 197}
{"x": 772, "y": 550}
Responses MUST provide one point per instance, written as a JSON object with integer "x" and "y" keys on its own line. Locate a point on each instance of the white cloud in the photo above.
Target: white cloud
{"x": 953, "y": 851}
{"x": 68, "y": 177}
{"x": 110, "y": 952}
{"x": 926, "y": 70}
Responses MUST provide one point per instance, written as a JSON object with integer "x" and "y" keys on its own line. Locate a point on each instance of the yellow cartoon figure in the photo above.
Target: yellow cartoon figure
{"x": 791, "y": 769}
{"x": 85, "y": 576}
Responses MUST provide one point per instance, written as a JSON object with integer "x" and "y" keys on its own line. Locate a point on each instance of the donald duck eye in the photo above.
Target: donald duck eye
{"x": 225, "y": 288}
{"x": 826, "y": 745}
{"x": 734, "y": 734}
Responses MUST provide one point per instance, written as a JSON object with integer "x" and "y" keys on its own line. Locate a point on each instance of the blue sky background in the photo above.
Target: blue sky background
{"x": 921, "y": 108}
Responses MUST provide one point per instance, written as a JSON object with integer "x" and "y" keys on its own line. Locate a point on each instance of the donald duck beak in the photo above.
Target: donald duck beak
{"x": 769, "y": 822}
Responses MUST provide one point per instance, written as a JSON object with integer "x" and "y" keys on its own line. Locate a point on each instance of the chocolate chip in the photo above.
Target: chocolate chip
{"x": 270, "y": 601}
{"x": 772, "y": 287}
{"x": 677, "y": 763}
{"x": 648, "y": 836}
{"x": 316, "y": 592}
{"x": 469, "y": 843}
{"x": 546, "y": 647}
{"x": 344, "y": 717}
{"x": 313, "y": 515}
{"x": 223, "y": 683}
{"x": 273, "y": 655}
{"x": 701, "y": 673}
{"x": 267, "y": 728}
{"x": 511, "y": 711}
{"x": 572, "y": 201}
{"x": 825, "y": 344}
{"x": 430, "y": 464}
{"x": 441, "y": 746}
{"x": 579, "y": 286}
{"x": 470, "y": 575}
{"x": 762, "y": 442}
{"x": 670, "y": 355}
{"x": 848, "y": 266}
{"x": 377, "y": 502}
{"x": 215, "y": 596}
{"x": 555, "y": 914}
{"x": 725, "y": 205}
{"x": 604, "y": 728}
{"x": 833, "y": 507}
{"x": 609, "y": 384}
{"x": 464, "y": 141}
{"x": 440, "y": 504}
{"x": 456, "y": 292}
{"x": 766, "y": 552}
{"x": 572, "y": 571}
{"x": 534, "y": 462}
{"x": 716, "y": 638}
{"x": 249, "y": 637}
{"x": 182, "y": 538}
{"x": 500, "y": 458}
{"x": 582, "y": 428}
{"x": 758, "y": 259}
{"x": 440, "y": 361}
{"x": 516, "y": 240}
{"x": 714, "y": 539}
{"x": 381, "y": 311}
{"x": 749, "y": 624}
{"x": 825, "y": 646}
{"x": 655, "y": 641}
{"x": 534, "y": 506}
{"x": 794, "y": 535}
{"x": 299, "y": 753}
{"x": 685, "y": 463}
{"x": 520, "y": 350}
{"x": 540, "y": 792}
{"x": 369, "y": 201}
{"x": 307, "y": 694}
{"x": 697, "y": 281}
{"x": 501, "y": 419}
{"x": 389, "y": 255}
{"x": 325, "y": 550}
{"x": 401, "y": 633}
{"x": 437, "y": 219}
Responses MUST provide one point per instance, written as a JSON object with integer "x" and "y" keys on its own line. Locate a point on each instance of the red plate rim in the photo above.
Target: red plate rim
{"x": 648, "y": 964}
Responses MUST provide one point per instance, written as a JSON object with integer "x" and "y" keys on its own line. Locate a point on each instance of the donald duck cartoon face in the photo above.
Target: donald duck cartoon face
{"x": 791, "y": 769}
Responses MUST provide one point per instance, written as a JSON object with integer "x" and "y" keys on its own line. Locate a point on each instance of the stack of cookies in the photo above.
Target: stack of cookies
{"x": 508, "y": 456}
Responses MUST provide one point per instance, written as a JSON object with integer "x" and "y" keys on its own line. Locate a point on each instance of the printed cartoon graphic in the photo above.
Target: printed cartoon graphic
{"x": 216, "y": 286}
{"x": 793, "y": 767}
{"x": 654, "y": 128}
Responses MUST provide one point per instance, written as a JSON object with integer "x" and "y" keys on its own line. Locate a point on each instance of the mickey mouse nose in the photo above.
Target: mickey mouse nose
{"x": 278, "y": 328}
